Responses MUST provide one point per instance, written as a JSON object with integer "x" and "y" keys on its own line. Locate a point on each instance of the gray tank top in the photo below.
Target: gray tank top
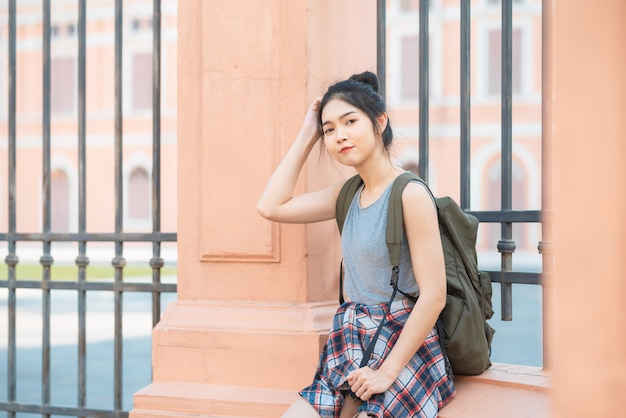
{"x": 365, "y": 255}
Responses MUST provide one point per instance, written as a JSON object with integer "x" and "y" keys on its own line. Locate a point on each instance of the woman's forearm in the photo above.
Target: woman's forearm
{"x": 420, "y": 322}
{"x": 281, "y": 185}
{"x": 280, "y": 188}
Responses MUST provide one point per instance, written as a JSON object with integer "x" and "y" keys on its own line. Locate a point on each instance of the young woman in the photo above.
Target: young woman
{"x": 405, "y": 377}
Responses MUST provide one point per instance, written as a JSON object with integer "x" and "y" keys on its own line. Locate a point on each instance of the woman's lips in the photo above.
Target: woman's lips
{"x": 345, "y": 149}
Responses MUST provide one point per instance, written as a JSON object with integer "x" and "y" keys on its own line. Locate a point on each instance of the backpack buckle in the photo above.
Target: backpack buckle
{"x": 395, "y": 273}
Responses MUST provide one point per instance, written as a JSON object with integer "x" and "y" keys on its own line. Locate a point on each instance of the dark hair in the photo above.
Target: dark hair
{"x": 360, "y": 91}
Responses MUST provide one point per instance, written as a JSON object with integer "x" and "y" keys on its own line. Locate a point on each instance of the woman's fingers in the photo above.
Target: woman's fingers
{"x": 310, "y": 124}
{"x": 366, "y": 382}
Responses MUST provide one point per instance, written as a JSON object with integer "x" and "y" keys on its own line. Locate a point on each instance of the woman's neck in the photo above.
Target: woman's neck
{"x": 378, "y": 174}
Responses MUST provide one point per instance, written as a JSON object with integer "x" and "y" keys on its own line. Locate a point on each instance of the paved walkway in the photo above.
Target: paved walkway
{"x": 137, "y": 325}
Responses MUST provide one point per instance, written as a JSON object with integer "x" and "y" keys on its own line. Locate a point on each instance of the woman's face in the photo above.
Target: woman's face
{"x": 349, "y": 135}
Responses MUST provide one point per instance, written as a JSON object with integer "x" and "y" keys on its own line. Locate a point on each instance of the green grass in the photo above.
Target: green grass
{"x": 70, "y": 272}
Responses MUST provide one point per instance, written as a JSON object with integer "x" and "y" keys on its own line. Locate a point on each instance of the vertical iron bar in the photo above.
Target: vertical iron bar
{"x": 381, "y": 46}
{"x": 46, "y": 258}
{"x": 118, "y": 262}
{"x": 82, "y": 260}
{"x": 156, "y": 262}
{"x": 465, "y": 104}
{"x": 423, "y": 89}
{"x": 11, "y": 259}
{"x": 506, "y": 245}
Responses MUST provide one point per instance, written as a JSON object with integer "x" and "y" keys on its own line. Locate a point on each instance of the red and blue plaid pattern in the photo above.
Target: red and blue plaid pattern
{"x": 421, "y": 389}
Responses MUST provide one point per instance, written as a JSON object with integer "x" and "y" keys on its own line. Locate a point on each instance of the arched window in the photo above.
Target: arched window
{"x": 59, "y": 201}
{"x": 139, "y": 194}
{"x": 519, "y": 202}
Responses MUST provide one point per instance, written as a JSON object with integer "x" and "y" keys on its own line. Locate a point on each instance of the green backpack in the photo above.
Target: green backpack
{"x": 467, "y": 334}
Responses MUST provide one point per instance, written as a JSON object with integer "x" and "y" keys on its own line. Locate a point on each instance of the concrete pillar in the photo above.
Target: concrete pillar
{"x": 255, "y": 299}
{"x": 585, "y": 93}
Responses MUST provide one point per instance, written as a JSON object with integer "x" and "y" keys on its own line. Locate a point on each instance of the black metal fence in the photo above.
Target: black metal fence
{"x": 506, "y": 216}
{"x": 118, "y": 286}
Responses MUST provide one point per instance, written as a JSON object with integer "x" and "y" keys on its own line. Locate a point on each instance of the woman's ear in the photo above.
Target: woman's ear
{"x": 382, "y": 120}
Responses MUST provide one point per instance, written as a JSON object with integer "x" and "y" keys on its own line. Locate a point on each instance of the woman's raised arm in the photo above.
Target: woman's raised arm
{"x": 277, "y": 203}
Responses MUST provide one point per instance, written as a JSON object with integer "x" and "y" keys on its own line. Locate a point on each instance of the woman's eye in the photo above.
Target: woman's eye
{"x": 350, "y": 122}
{"x": 328, "y": 131}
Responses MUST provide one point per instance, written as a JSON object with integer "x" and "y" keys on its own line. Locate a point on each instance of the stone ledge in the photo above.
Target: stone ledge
{"x": 526, "y": 377}
{"x": 505, "y": 390}
{"x": 172, "y": 399}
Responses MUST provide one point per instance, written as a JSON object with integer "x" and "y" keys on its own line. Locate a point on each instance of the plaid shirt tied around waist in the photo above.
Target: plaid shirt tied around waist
{"x": 421, "y": 389}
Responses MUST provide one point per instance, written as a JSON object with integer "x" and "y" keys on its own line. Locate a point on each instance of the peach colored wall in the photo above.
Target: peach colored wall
{"x": 585, "y": 98}
{"x": 255, "y": 299}
{"x": 250, "y": 109}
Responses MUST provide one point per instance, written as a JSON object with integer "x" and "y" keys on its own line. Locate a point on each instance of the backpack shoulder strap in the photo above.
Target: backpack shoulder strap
{"x": 348, "y": 190}
{"x": 395, "y": 223}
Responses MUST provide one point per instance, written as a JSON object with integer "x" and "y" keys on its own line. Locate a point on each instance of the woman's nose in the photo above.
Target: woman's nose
{"x": 341, "y": 134}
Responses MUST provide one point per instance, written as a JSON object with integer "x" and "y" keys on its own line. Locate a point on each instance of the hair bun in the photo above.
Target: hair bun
{"x": 368, "y": 78}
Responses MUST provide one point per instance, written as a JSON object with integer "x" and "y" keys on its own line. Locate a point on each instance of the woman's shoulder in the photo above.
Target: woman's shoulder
{"x": 416, "y": 189}
{"x": 417, "y": 197}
